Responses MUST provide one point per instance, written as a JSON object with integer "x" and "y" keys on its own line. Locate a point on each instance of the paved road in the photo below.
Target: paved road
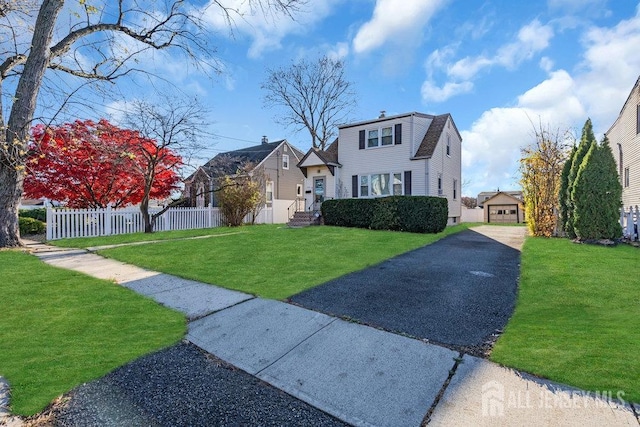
{"x": 457, "y": 291}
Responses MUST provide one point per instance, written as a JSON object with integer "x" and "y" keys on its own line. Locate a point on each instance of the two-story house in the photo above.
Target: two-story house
{"x": 404, "y": 154}
{"x": 283, "y": 181}
{"x": 624, "y": 139}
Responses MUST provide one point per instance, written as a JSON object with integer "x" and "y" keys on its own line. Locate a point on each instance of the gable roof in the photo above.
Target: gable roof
{"x": 624, "y": 106}
{"x": 431, "y": 138}
{"x": 254, "y": 154}
{"x": 515, "y": 199}
{"x": 329, "y": 157}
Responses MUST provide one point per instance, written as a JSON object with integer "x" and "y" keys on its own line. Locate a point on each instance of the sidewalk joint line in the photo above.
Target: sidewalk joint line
{"x": 294, "y": 347}
{"x": 452, "y": 372}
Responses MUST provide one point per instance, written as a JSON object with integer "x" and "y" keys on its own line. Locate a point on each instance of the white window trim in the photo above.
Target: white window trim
{"x": 285, "y": 156}
{"x": 299, "y": 192}
{"x": 448, "y": 149}
{"x": 370, "y": 194}
{"x": 268, "y": 185}
{"x": 379, "y": 129}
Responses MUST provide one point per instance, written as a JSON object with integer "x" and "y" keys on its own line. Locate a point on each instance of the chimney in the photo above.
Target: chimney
{"x": 265, "y": 140}
{"x": 382, "y": 114}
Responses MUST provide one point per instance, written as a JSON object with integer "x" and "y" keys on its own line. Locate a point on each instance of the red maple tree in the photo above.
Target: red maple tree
{"x": 88, "y": 164}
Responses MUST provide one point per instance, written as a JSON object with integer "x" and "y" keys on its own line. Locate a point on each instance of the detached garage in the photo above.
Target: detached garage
{"x": 503, "y": 208}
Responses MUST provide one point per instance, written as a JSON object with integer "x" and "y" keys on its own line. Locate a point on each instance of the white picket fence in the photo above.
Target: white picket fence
{"x": 630, "y": 222}
{"x": 65, "y": 223}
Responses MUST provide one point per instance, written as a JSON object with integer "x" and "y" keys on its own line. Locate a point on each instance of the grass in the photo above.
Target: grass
{"x": 274, "y": 261}
{"x": 61, "y": 329}
{"x": 577, "y": 319}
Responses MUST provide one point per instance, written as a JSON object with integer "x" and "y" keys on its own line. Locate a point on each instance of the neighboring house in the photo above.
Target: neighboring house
{"x": 404, "y": 154}
{"x": 486, "y": 195}
{"x": 624, "y": 139}
{"x": 503, "y": 207}
{"x": 283, "y": 180}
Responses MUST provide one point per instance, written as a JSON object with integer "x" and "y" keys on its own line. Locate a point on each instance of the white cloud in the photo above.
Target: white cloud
{"x": 531, "y": 39}
{"x": 432, "y": 93}
{"x": 491, "y": 148}
{"x": 395, "y": 21}
{"x": 265, "y": 30}
{"x": 597, "y": 89}
{"x": 546, "y": 63}
{"x": 339, "y": 51}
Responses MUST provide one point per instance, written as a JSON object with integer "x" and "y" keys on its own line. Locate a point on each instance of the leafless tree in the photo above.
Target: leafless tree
{"x": 178, "y": 126}
{"x": 101, "y": 43}
{"x": 314, "y": 95}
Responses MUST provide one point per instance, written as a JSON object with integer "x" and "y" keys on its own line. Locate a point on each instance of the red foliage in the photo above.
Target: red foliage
{"x": 89, "y": 165}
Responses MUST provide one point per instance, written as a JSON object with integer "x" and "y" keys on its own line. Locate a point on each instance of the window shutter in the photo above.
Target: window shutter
{"x": 362, "y": 139}
{"x": 354, "y": 186}
{"x": 398, "y": 133}
{"x": 407, "y": 183}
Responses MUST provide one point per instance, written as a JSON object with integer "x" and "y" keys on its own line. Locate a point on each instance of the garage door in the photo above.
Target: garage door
{"x": 503, "y": 213}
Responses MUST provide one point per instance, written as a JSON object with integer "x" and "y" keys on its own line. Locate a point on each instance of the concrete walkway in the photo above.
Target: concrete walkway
{"x": 359, "y": 374}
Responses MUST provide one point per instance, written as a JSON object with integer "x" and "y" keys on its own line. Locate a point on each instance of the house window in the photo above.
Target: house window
{"x": 380, "y": 137}
{"x": 455, "y": 189}
{"x": 439, "y": 184}
{"x": 364, "y": 186}
{"x": 298, "y": 190}
{"x": 269, "y": 191}
{"x": 448, "y": 145}
{"x": 626, "y": 177}
{"x": 387, "y": 136}
{"x": 285, "y": 161}
{"x": 373, "y": 138}
{"x": 638, "y": 119}
{"x": 397, "y": 184}
{"x": 381, "y": 184}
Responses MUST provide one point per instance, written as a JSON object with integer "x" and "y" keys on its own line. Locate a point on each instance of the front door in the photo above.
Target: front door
{"x": 318, "y": 192}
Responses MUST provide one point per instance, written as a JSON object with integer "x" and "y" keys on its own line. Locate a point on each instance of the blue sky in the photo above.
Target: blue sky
{"x": 495, "y": 65}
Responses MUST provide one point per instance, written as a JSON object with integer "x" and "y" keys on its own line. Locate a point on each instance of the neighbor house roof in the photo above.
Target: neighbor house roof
{"x": 254, "y": 154}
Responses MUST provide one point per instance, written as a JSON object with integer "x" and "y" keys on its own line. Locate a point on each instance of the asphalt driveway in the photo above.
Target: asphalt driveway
{"x": 458, "y": 291}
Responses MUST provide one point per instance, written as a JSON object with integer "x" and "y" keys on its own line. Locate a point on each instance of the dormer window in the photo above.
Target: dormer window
{"x": 381, "y": 137}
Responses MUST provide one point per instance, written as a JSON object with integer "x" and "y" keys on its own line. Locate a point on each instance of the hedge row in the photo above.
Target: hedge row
{"x": 30, "y": 226}
{"x": 39, "y": 213}
{"x": 416, "y": 214}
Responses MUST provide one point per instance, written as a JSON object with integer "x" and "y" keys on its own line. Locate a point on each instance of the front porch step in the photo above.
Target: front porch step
{"x": 304, "y": 219}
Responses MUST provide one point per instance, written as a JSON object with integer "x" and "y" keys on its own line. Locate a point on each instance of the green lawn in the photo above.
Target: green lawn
{"x": 60, "y": 329}
{"x": 274, "y": 261}
{"x": 577, "y": 320}
{"x": 89, "y": 242}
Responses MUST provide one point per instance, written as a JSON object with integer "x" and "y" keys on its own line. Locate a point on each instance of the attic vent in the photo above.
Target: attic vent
{"x": 265, "y": 140}
{"x": 383, "y": 114}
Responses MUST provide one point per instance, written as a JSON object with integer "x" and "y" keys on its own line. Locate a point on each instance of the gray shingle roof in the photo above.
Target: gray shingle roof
{"x": 254, "y": 154}
{"x": 431, "y": 138}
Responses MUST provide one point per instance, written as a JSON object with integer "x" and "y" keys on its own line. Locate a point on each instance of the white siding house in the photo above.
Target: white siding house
{"x": 405, "y": 154}
{"x": 624, "y": 139}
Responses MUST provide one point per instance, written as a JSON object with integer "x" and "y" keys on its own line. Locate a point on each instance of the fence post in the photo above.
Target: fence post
{"x": 107, "y": 221}
{"x": 49, "y": 221}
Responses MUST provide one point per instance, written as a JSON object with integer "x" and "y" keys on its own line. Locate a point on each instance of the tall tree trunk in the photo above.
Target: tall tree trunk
{"x": 10, "y": 191}
{"x": 12, "y": 159}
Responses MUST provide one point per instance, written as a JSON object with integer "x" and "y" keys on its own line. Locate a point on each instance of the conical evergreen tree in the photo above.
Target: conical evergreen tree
{"x": 586, "y": 141}
{"x": 597, "y": 195}
{"x": 563, "y": 193}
